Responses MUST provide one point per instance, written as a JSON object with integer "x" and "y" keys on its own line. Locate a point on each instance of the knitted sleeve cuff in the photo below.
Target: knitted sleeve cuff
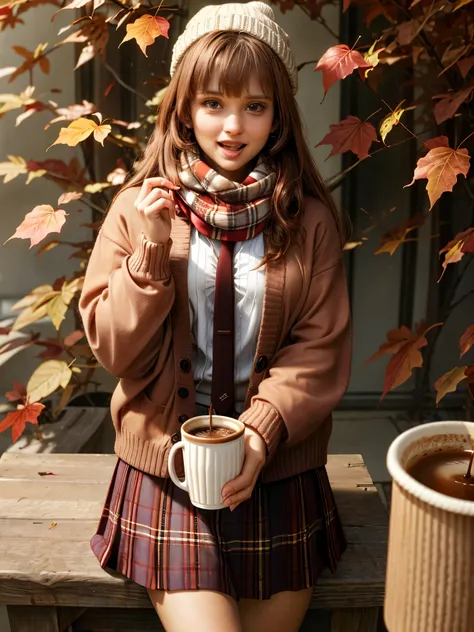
{"x": 263, "y": 418}
{"x": 150, "y": 261}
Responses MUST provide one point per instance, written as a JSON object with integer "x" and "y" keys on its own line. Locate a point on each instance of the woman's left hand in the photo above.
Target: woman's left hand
{"x": 240, "y": 488}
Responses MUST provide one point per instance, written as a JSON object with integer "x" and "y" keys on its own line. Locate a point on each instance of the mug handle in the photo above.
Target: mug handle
{"x": 171, "y": 468}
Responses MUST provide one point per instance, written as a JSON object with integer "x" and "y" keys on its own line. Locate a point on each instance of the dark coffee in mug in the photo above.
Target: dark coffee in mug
{"x": 217, "y": 431}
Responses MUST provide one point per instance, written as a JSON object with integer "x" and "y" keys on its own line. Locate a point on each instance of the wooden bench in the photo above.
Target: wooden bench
{"x": 50, "y": 580}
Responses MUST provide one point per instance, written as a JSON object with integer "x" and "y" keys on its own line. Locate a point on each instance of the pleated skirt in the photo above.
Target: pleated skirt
{"x": 281, "y": 539}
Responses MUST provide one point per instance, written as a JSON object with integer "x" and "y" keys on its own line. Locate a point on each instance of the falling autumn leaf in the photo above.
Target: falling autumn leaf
{"x": 448, "y": 382}
{"x": 39, "y": 223}
{"x": 70, "y": 196}
{"x": 456, "y": 249}
{"x": 15, "y": 166}
{"x": 449, "y": 105}
{"x": 467, "y": 340}
{"x": 145, "y": 30}
{"x": 79, "y": 130}
{"x": 441, "y": 166}
{"x": 16, "y": 420}
{"x": 337, "y": 63}
{"x": 351, "y": 134}
{"x": 404, "y": 346}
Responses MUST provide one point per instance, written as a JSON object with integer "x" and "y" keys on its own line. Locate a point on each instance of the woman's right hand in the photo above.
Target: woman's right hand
{"x": 156, "y": 207}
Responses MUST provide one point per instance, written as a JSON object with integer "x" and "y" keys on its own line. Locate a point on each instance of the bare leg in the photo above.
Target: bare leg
{"x": 284, "y": 612}
{"x": 196, "y": 610}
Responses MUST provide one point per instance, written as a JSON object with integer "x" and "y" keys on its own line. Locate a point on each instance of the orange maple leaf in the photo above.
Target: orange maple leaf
{"x": 337, "y": 63}
{"x": 80, "y": 129}
{"x": 441, "y": 166}
{"x": 467, "y": 340}
{"x": 39, "y": 222}
{"x": 31, "y": 59}
{"x": 351, "y": 134}
{"x": 145, "y": 30}
{"x": 457, "y": 248}
{"x": 404, "y": 346}
{"x": 448, "y": 382}
{"x": 16, "y": 420}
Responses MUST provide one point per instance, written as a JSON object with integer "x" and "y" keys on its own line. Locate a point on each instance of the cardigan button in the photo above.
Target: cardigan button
{"x": 183, "y": 392}
{"x": 261, "y": 364}
{"x": 176, "y": 437}
{"x": 183, "y": 418}
{"x": 185, "y": 365}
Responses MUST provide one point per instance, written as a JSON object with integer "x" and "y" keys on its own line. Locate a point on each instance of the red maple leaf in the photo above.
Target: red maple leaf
{"x": 337, "y": 63}
{"x": 19, "y": 393}
{"x": 18, "y": 418}
{"x": 351, "y": 134}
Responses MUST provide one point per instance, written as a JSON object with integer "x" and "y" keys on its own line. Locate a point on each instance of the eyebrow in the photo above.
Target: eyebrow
{"x": 251, "y": 96}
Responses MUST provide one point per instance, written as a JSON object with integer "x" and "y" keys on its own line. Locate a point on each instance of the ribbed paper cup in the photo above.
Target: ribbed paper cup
{"x": 430, "y": 571}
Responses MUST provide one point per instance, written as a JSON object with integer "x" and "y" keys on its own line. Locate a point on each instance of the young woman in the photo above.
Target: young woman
{"x": 225, "y": 218}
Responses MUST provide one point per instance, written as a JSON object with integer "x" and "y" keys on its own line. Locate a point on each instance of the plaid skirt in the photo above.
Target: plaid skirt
{"x": 278, "y": 540}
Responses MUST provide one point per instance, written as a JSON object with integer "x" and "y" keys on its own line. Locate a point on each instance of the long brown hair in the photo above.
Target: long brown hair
{"x": 232, "y": 57}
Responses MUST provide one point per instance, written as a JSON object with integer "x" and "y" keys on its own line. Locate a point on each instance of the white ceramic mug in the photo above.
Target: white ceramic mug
{"x": 209, "y": 462}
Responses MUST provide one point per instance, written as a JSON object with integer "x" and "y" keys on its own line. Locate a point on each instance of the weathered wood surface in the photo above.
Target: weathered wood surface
{"x": 79, "y": 430}
{"x": 49, "y": 565}
{"x": 355, "y": 620}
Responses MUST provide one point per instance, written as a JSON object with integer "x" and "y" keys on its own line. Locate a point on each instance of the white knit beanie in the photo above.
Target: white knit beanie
{"x": 255, "y": 18}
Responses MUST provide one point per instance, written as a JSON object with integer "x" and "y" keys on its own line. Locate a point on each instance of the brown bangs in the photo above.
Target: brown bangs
{"x": 232, "y": 57}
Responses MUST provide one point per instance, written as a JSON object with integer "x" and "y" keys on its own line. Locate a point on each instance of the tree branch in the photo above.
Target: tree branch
{"x": 119, "y": 80}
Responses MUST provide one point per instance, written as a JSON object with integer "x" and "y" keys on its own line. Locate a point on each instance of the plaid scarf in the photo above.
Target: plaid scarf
{"x": 220, "y": 208}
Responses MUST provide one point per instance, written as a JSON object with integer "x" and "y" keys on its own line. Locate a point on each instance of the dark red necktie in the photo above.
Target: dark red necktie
{"x": 222, "y": 392}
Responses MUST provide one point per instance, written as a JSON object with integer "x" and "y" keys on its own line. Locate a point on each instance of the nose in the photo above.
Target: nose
{"x": 232, "y": 125}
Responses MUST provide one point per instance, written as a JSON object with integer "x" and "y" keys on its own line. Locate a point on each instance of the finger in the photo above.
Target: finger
{"x": 159, "y": 206}
{"x": 153, "y": 196}
{"x": 152, "y": 183}
{"x": 246, "y": 478}
{"x": 236, "y": 499}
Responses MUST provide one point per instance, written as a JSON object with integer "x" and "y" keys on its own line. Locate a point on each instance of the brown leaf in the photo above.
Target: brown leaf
{"x": 449, "y": 105}
{"x": 465, "y": 65}
{"x": 337, "y": 63}
{"x": 351, "y": 134}
{"x": 405, "y": 347}
{"x": 438, "y": 141}
{"x": 441, "y": 166}
{"x": 47, "y": 474}
{"x": 448, "y": 382}
{"x": 467, "y": 340}
{"x": 398, "y": 235}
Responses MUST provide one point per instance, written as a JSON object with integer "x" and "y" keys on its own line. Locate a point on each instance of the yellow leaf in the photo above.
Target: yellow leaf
{"x": 31, "y": 298}
{"x": 52, "y": 525}
{"x": 79, "y": 130}
{"x": 448, "y": 382}
{"x": 145, "y": 30}
{"x": 48, "y": 377}
{"x": 47, "y": 247}
{"x": 57, "y": 309}
{"x": 35, "y": 174}
{"x": 65, "y": 397}
{"x": 28, "y": 316}
{"x": 13, "y": 168}
{"x": 97, "y": 187}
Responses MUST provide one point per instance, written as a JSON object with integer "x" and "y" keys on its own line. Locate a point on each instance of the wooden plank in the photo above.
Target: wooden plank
{"x": 355, "y": 620}
{"x": 69, "y": 467}
{"x": 68, "y": 573}
{"x": 33, "y": 619}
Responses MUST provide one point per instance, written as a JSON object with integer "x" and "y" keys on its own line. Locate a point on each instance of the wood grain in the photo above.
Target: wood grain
{"x": 49, "y": 565}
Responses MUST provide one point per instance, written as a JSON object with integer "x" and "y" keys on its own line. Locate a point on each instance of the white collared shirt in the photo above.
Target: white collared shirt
{"x": 249, "y": 291}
